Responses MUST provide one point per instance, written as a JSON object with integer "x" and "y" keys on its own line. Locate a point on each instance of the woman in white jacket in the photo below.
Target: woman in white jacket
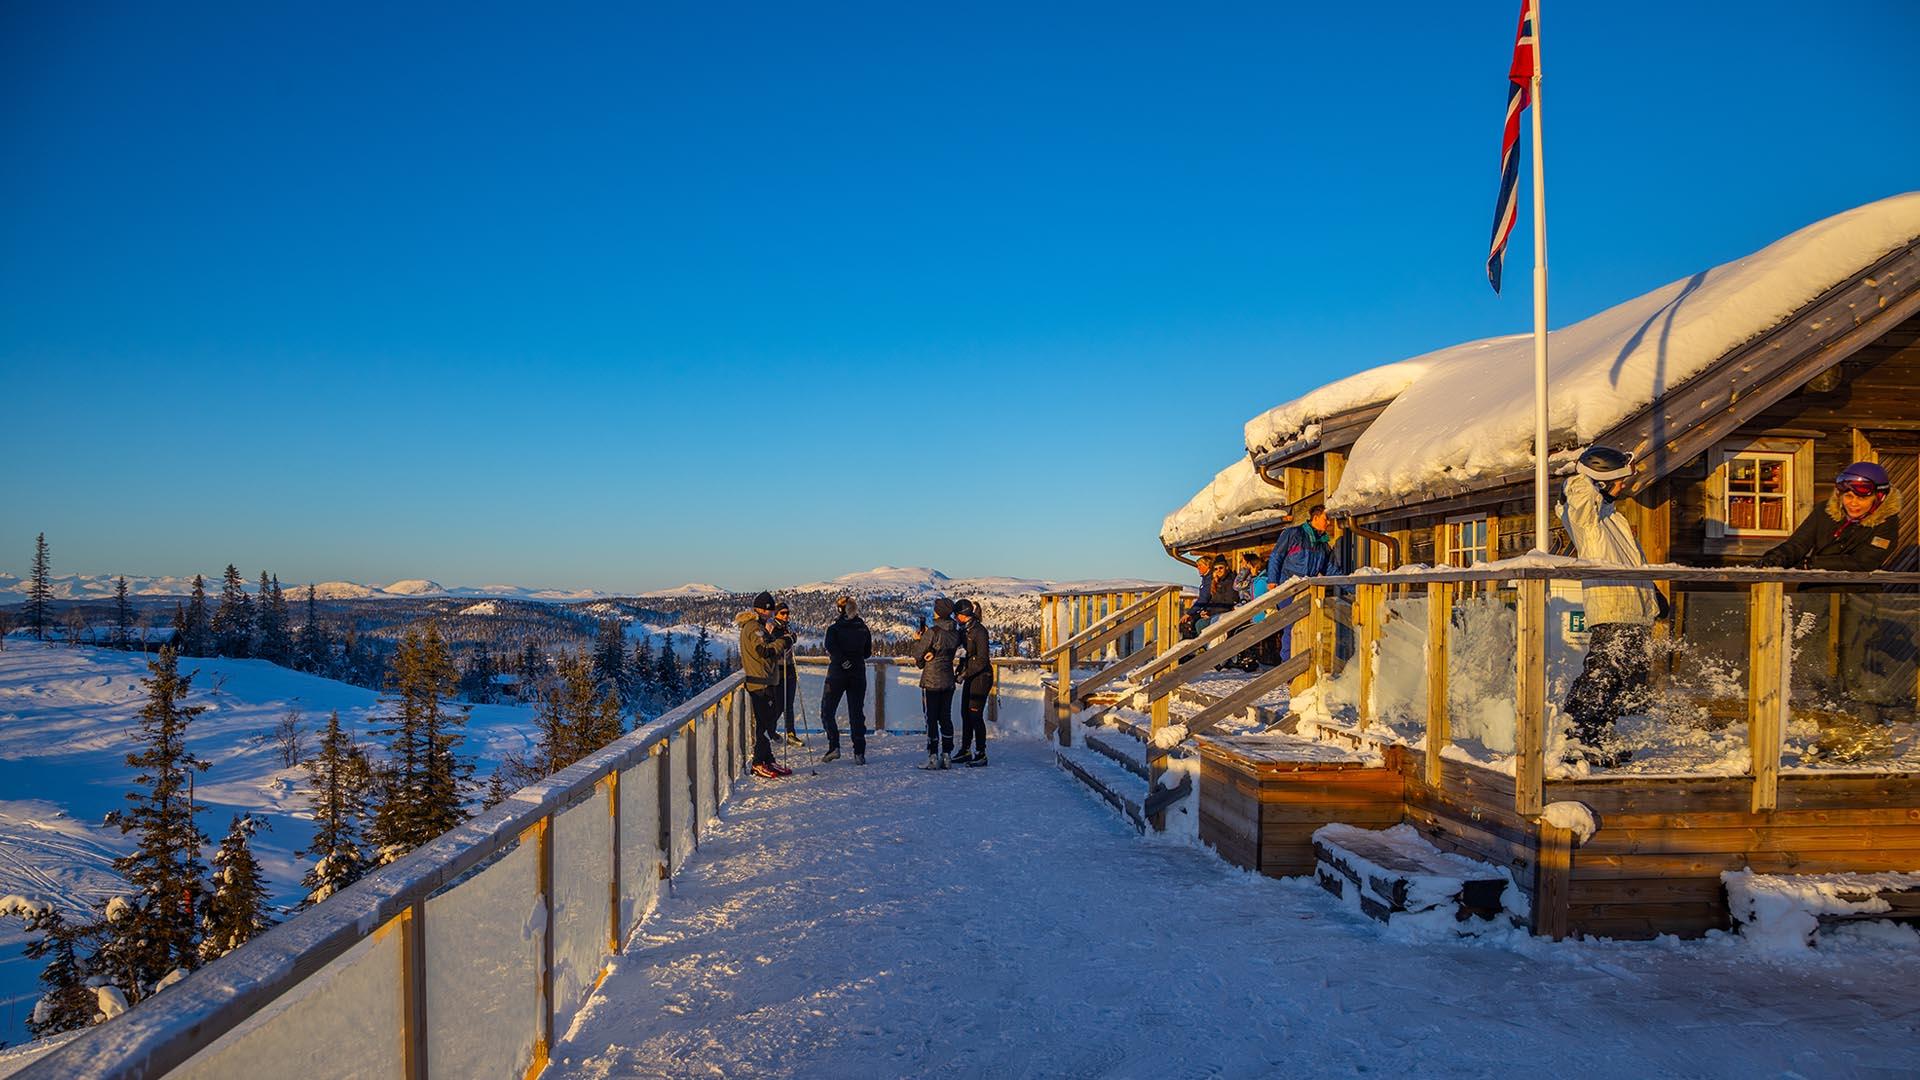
{"x": 1620, "y": 612}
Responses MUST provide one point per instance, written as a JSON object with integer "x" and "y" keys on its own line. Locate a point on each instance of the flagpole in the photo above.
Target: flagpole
{"x": 1540, "y": 488}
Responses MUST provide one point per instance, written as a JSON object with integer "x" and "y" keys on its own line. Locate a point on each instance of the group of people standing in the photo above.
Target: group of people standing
{"x": 953, "y": 652}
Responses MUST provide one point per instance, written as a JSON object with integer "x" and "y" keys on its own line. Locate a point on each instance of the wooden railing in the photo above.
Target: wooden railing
{"x": 1067, "y": 613}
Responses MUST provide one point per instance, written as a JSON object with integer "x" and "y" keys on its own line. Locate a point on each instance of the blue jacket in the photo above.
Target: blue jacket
{"x": 1302, "y": 551}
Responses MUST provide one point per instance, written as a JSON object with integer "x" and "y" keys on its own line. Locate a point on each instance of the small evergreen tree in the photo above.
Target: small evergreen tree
{"x": 237, "y": 910}
{"x": 666, "y": 676}
{"x": 700, "y": 665}
{"x": 476, "y": 678}
{"x": 312, "y": 650}
{"x": 275, "y": 638}
{"x": 158, "y": 934}
{"x": 577, "y": 717}
{"x": 69, "y": 1003}
{"x": 197, "y": 637}
{"x": 499, "y": 786}
{"x": 122, "y": 615}
{"x": 423, "y": 795}
{"x": 610, "y": 657}
{"x": 233, "y": 622}
{"x": 40, "y": 590}
{"x": 640, "y": 673}
{"x": 534, "y": 667}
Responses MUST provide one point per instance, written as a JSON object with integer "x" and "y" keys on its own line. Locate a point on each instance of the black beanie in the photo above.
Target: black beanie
{"x": 763, "y": 602}
{"x": 942, "y": 607}
{"x": 964, "y": 607}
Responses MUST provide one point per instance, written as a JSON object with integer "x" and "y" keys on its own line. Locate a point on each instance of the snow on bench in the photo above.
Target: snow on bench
{"x": 1395, "y": 872}
{"x": 1782, "y": 912}
{"x": 1277, "y": 748}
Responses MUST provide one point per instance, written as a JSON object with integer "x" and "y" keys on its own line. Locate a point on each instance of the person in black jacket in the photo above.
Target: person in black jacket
{"x": 1856, "y": 530}
{"x": 849, "y": 645}
{"x": 935, "y": 650}
{"x": 783, "y": 615}
{"x": 975, "y": 675}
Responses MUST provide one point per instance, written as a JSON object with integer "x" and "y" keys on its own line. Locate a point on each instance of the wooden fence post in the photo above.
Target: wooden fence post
{"x": 663, "y": 789}
{"x": 1530, "y": 698}
{"x": 1367, "y": 611}
{"x": 1767, "y": 672}
{"x": 413, "y": 989}
{"x": 1439, "y": 727}
{"x": 615, "y": 935}
{"x": 1553, "y": 881}
{"x": 690, "y": 744}
{"x": 880, "y": 681}
{"x": 1063, "y": 697}
{"x": 543, "y": 1040}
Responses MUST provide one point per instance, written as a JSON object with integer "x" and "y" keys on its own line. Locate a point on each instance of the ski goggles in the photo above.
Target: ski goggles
{"x": 1857, "y": 485}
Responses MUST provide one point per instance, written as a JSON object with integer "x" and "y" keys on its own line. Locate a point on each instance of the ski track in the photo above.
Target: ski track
{"x": 1002, "y": 922}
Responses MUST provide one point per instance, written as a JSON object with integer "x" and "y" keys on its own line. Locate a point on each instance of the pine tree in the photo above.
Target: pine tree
{"x": 534, "y": 667}
{"x": 237, "y": 910}
{"x": 610, "y": 657}
{"x": 700, "y": 665}
{"x": 158, "y": 935}
{"x": 311, "y": 649}
{"x": 476, "y": 677}
{"x": 40, "y": 590}
{"x": 577, "y": 717}
{"x": 122, "y": 615}
{"x": 233, "y": 622}
{"x": 68, "y": 1003}
{"x": 640, "y": 673}
{"x": 666, "y": 676}
{"x": 423, "y": 796}
{"x": 499, "y": 786}
{"x": 197, "y": 638}
{"x": 275, "y": 640}
{"x": 337, "y": 793}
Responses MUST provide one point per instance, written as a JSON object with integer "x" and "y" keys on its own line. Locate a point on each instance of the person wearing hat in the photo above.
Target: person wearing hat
{"x": 849, "y": 645}
{"x": 1857, "y": 530}
{"x": 935, "y": 649}
{"x": 1619, "y": 612}
{"x": 975, "y": 676}
{"x": 783, "y": 615}
{"x": 764, "y": 648}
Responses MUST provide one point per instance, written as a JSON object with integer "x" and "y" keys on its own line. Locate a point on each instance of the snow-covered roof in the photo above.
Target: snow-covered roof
{"x": 1298, "y": 420}
{"x": 1236, "y": 498}
{"x": 1468, "y": 415}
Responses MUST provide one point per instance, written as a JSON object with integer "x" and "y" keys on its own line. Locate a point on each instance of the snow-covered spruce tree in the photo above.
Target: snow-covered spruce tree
{"x": 312, "y": 651}
{"x": 122, "y": 615}
{"x": 197, "y": 637}
{"x": 610, "y": 657}
{"x": 40, "y": 590}
{"x": 237, "y": 910}
{"x": 499, "y": 786}
{"x": 640, "y": 674}
{"x": 164, "y": 866}
{"x": 336, "y": 791}
{"x": 423, "y": 795}
{"x": 233, "y": 622}
{"x": 666, "y": 676}
{"x": 577, "y": 717}
{"x": 68, "y": 1002}
{"x": 700, "y": 665}
{"x": 274, "y": 639}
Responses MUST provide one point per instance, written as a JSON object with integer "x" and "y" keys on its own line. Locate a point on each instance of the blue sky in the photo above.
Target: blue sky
{"x": 625, "y": 296}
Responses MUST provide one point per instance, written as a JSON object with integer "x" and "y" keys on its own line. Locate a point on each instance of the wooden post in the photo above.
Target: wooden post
{"x": 1767, "y": 669}
{"x": 1439, "y": 727}
{"x": 1367, "y": 610}
{"x": 1552, "y": 881}
{"x": 880, "y": 680}
{"x": 1530, "y": 698}
{"x": 616, "y": 935}
{"x": 663, "y": 788}
{"x": 1063, "y": 697}
{"x": 413, "y": 989}
{"x": 1322, "y": 634}
{"x": 542, "y": 834}
{"x": 690, "y": 736}
{"x": 1046, "y": 625}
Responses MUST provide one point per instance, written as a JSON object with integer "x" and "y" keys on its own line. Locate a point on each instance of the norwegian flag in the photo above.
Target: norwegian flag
{"x": 1519, "y": 96}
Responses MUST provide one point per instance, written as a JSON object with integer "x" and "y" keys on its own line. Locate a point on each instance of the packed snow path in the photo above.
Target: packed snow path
{"x": 886, "y": 922}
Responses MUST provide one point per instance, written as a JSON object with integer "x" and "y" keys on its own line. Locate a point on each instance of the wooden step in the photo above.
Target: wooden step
{"x": 1120, "y": 788}
{"x": 1393, "y": 872}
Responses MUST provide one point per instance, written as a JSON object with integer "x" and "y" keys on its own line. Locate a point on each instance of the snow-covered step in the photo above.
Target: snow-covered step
{"x": 1389, "y": 873}
{"x": 1118, "y": 786}
{"x": 1785, "y": 911}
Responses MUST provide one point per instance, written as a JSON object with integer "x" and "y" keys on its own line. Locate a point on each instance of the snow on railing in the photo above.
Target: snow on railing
{"x": 468, "y": 955}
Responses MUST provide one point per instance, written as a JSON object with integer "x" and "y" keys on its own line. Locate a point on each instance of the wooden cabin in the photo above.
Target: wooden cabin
{"x": 1740, "y": 391}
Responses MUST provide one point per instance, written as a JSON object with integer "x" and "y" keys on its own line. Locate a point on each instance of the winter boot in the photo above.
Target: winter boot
{"x": 859, "y": 759}
{"x": 781, "y": 770}
{"x": 944, "y": 761}
{"x": 794, "y": 739}
{"x": 977, "y": 760}
{"x": 933, "y": 761}
{"x": 832, "y": 754}
{"x": 764, "y": 771}
{"x": 962, "y": 757}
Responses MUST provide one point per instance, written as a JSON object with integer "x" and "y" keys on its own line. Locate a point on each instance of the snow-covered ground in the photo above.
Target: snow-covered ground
{"x": 67, "y": 721}
{"x": 886, "y": 922}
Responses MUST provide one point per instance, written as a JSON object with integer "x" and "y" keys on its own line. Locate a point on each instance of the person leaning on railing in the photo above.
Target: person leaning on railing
{"x": 1857, "y": 530}
{"x": 1303, "y": 550}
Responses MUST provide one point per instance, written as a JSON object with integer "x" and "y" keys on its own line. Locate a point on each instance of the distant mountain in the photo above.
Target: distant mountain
{"x": 101, "y": 587}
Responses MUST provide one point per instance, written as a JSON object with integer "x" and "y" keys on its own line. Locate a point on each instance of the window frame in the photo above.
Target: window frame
{"x": 1797, "y": 457}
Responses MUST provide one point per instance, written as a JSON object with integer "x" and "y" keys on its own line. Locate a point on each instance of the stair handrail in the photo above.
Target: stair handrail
{"x": 1117, "y": 624}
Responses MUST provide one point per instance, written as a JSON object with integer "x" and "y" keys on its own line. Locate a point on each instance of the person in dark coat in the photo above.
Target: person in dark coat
{"x": 764, "y": 647}
{"x": 784, "y": 616}
{"x": 849, "y": 645}
{"x": 935, "y": 649}
{"x": 975, "y": 676}
{"x": 1303, "y": 550}
{"x": 1856, "y": 530}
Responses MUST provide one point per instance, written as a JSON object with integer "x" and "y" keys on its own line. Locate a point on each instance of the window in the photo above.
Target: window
{"x": 1464, "y": 541}
{"x": 1758, "y": 489}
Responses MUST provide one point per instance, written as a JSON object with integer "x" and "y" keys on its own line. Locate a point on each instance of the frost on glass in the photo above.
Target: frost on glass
{"x": 483, "y": 969}
{"x": 682, "y": 793}
{"x": 703, "y": 766}
{"x": 582, "y": 898}
{"x": 1019, "y": 703}
{"x": 639, "y": 841}
{"x": 1852, "y": 689}
{"x": 1481, "y": 673}
{"x": 344, "y": 1020}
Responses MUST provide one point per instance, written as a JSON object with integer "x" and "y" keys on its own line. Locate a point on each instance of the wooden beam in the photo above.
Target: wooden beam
{"x": 1552, "y": 882}
{"x": 1216, "y": 632}
{"x": 543, "y": 1039}
{"x": 1254, "y": 689}
{"x": 1109, "y": 629}
{"x": 1767, "y": 671}
{"x": 1530, "y": 699}
{"x": 413, "y": 989}
{"x": 1369, "y": 608}
{"x": 1112, "y": 672}
{"x": 1218, "y": 650}
{"x": 616, "y": 930}
{"x": 1063, "y": 697}
{"x": 1439, "y": 725}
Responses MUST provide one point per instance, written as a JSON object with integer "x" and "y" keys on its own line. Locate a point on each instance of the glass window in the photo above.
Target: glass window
{"x": 1759, "y": 494}
{"x": 1464, "y": 541}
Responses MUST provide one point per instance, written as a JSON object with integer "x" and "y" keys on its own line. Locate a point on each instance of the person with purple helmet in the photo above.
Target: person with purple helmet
{"x": 1856, "y": 530}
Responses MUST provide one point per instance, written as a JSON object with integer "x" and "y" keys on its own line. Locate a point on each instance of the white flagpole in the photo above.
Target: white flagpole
{"x": 1540, "y": 490}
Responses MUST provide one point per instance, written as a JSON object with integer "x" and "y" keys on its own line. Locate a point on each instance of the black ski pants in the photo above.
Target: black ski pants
{"x": 855, "y": 690}
{"x": 973, "y": 713}
{"x": 766, "y": 715}
{"x": 1613, "y": 682}
{"x": 939, "y": 706}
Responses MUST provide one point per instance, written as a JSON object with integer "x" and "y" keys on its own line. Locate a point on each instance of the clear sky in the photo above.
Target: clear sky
{"x": 624, "y": 296}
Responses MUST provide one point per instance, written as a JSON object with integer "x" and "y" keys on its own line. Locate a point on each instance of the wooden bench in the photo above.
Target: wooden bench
{"x": 1389, "y": 872}
{"x": 1788, "y": 910}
